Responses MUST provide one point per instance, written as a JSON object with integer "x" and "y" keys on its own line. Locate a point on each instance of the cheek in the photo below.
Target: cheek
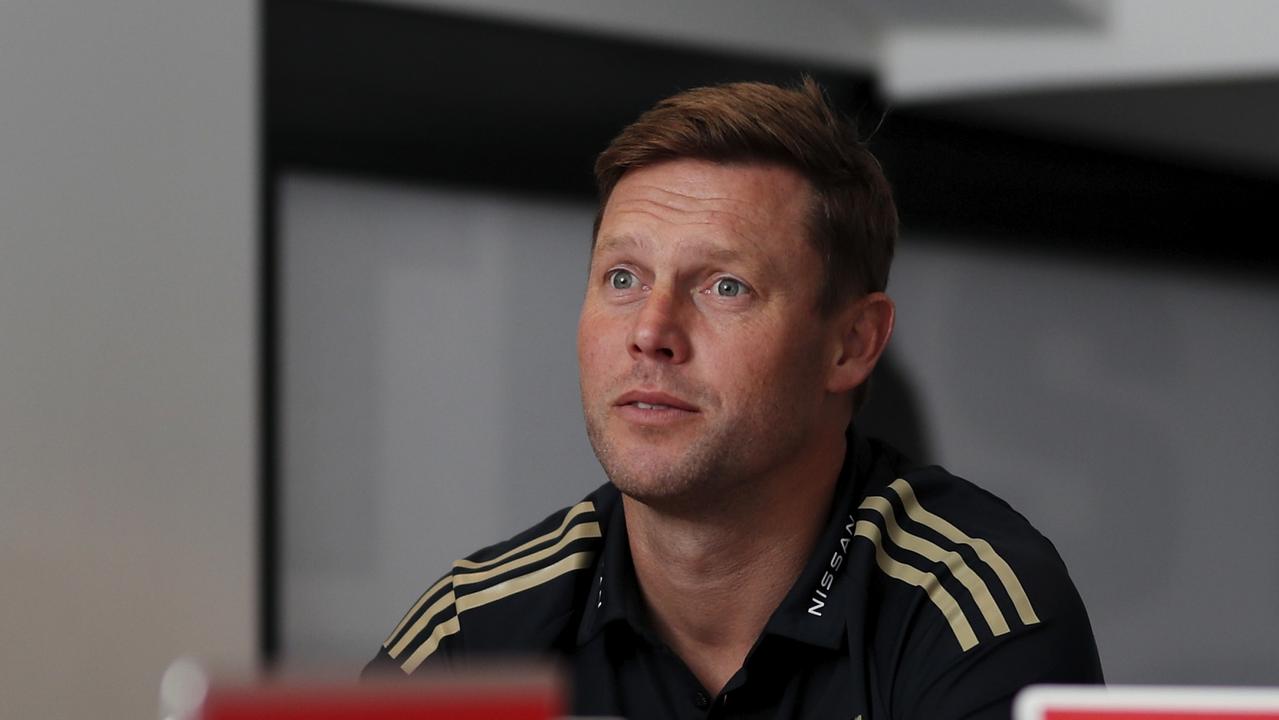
{"x": 585, "y": 355}
{"x": 768, "y": 364}
{"x": 743, "y": 365}
{"x": 592, "y": 345}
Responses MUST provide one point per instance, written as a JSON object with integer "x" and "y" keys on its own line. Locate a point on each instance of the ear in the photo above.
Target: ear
{"x": 864, "y": 328}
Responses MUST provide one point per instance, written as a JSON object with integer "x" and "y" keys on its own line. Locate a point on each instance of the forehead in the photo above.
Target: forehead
{"x": 749, "y": 205}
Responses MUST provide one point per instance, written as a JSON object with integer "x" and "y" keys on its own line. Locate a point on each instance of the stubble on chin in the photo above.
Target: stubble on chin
{"x": 706, "y": 468}
{"x": 659, "y": 477}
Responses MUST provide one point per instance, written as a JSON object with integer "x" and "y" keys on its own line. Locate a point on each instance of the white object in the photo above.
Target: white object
{"x": 1038, "y": 701}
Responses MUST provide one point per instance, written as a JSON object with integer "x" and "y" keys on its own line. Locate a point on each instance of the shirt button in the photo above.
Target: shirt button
{"x": 701, "y": 700}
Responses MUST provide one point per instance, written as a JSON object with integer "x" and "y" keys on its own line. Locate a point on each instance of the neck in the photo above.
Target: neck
{"x": 712, "y": 579}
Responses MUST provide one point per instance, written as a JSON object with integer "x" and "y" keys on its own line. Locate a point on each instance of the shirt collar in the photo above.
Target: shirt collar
{"x": 614, "y": 594}
{"x": 814, "y": 610}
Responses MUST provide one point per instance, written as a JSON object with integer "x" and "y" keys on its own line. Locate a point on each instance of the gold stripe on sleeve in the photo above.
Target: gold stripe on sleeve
{"x": 505, "y": 589}
{"x": 583, "y": 507}
{"x": 951, "y": 559}
{"x": 585, "y": 530}
{"x": 423, "y": 622}
{"x": 983, "y": 549}
{"x": 443, "y": 630}
{"x": 944, "y": 601}
{"x": 495, "y": 567}
{"x": 413, "y": 610}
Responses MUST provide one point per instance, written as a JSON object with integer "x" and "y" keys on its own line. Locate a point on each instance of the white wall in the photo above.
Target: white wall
{"x": 1136, "y": 41}
{"x": 127, "y": 351}
{"x": 1129, "y": 412}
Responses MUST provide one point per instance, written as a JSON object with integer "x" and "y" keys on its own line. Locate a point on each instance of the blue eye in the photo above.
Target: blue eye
{"x": 728, "y": 287}
{"x": 621, "y": 279}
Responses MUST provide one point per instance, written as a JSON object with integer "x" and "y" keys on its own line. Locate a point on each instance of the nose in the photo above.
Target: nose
{"x": 659, "y": 332}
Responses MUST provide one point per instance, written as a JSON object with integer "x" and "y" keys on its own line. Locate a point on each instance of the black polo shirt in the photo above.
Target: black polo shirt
{"x": 925, "y": 598}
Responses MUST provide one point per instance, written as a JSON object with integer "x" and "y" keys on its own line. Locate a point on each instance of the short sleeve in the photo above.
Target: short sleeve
{"x": 981, "y": 684}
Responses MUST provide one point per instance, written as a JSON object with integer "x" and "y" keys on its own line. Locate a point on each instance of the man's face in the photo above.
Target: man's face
{"x": 702, "y": 356}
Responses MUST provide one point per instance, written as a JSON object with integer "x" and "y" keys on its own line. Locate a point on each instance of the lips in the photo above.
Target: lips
{"x": 651, "y": 400}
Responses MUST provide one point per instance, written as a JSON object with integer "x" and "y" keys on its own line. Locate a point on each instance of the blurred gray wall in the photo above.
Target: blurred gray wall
{"x": 1132, "y": 415}
{"x": 430, "y": 401}
{"x": 431, "y": 408}
{"x": 127, "y": 349}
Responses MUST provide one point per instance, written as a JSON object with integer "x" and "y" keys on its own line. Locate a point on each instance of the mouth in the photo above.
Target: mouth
{"x": 652, "y": 410}
{"x": 654, "y": 401}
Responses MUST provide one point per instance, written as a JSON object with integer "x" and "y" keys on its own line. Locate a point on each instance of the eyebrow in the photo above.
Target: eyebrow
{"x": 614, "y": 243}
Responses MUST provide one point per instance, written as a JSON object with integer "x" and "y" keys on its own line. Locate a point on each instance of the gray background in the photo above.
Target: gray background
{"x": 128, "y": 415}
{"x": 431, "y": 408}
{"x": 430, "y": 398}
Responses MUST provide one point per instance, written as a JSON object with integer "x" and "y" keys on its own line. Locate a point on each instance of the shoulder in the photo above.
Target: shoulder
{"x": 1010, "y": 571}
{"x": 516, "y": 596}
{"x": 969, "y": 588}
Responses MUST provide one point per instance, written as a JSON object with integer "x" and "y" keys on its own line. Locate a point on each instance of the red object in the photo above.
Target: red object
{"x": 381, "y": 703}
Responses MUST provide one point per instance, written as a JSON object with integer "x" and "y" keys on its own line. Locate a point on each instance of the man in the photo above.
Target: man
{"x": 753, "y": 556}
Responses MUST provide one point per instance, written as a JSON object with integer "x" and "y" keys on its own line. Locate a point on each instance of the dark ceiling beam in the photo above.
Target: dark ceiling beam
{"x": 414, "y": 93}
{"x": 963, "y": 181}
